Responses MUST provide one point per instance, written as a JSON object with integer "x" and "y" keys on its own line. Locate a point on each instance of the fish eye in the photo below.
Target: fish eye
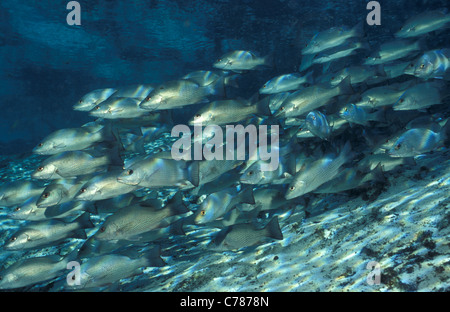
{"x": 332, "y": 78}
{"x": 97, "y": 107}
{"x": 282, "y": 108}
{"x": 402, "y": 100}
{"x": 83, "y": 190}
{"x": 197, "y": 116}
{"x": 345, "y": 109}
{"x": 17, "y": 209}
{"x": 148, "y": 98}
{"x": 129, "y": 172}
{"x": 292, "y": 188}
{"x": 398, "y": 146}
{"x": 250, "y": 173}
{"x": 264, "y": 86}
{"x": 40, "y": 168}
{"x": 102, "y": 229}
{"x": 202, "y": 213}
{"x": 422, "y": 65}
{"x": 80, "y": 101}
{"x": 40, "y": 144}
{"x": 45, "y": 195}
{"x": 161, "y": 88}
{"x": 219, "y": 60}
{"x": 13, "y": 239}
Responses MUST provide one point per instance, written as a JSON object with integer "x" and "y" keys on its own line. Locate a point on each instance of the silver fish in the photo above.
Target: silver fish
{"x": 303, "y": 101}
{"x": 417, "y": 141}
{"x": 424, "y": 23}
{"x": 50, "y": 232}
{"x": 179, "y": 93}
{"x": 380, "y": 96}
{"x": 265, "y": 199}
{"x": 358, "y": 74}
{"x": 420, "y": 96}
{"x": 104, "y": 186}
{"x": 59, "y": 192}
{"x": 31, "y": 271}
{"x": 107, "y": 269}
{"x": 218, "y": 204}
{"x": 155, "y": 172}
{"x": 17, "y": 192}
{"x": 331, "y": 38}
{"x": 394, "y": 50}
{"x": 75, "y": 163}
{"x": 347, "y": 49}
{"x": 228, "y": 111}
{"x": 317, "y": 123}
{"x": 317, "y": 173}
{"x": 433, "y": 64}
{"x": 119, "y": 107}
{"x": 28, "y": 211}
{"x": 73, "y": 139}
{"x": 129, "y": 223}
{"x": 361, "y": 115}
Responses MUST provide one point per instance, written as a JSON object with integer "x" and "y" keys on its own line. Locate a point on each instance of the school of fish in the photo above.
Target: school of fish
{"x": 342, "y": 128}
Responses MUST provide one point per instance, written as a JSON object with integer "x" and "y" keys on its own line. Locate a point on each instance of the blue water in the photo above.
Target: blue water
{"x": 46, "y": 66}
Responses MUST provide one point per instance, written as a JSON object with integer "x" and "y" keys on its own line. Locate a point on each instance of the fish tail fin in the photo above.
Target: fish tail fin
{"x": 176, "y": 228}
{"x": 379, "y": 115}
{"x": 247, "y": 196}
{"x": 194, "y": 173}
{"x": 309, "y": 77}
{"x": 176, "y": 204}
{"x": 153, "y": 257}
{"x": 269, "y": 60}
{"x": 80, "y": 233}
{"x": 346, "y": 153}
{"x": 379, "y": 71}
{"x": 91, "y": 208}
{"x": 409, "y": 161}
{"x": 231, "y": 81}
{"x": 345, "y": 86}
{"x": 217, "y": 87}
{"x": 134, "y": 143}
{"x": 166, "y": 117}
{"x": 306, "y": 62}
{"x": 114, "y": 156}
{"x": 358, "y": 30}
{"x": 421, "y": 44}
{"x": 377, "y": 174}
{"x": 273, "y": 229}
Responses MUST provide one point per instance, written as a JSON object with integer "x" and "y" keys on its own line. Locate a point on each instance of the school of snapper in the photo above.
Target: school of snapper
{"x": 340, "y": 130}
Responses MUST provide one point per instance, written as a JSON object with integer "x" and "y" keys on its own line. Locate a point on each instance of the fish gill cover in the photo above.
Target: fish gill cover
{"x": 337, "y": 178}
